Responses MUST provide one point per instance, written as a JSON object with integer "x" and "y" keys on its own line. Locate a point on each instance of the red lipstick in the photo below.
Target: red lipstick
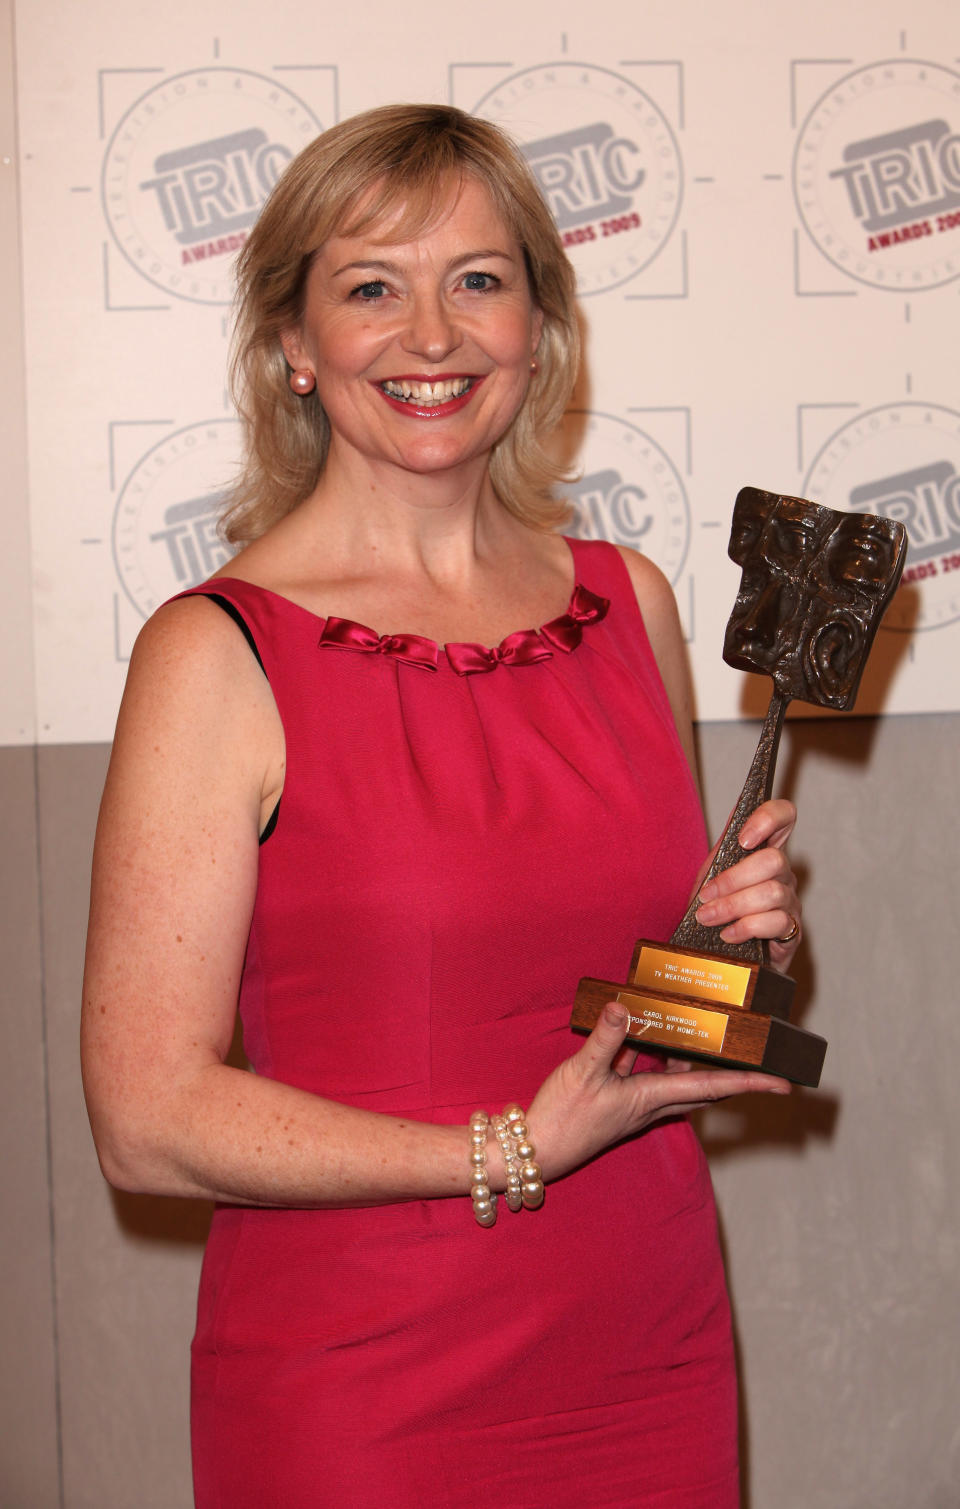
{"x": 418, "y": 410}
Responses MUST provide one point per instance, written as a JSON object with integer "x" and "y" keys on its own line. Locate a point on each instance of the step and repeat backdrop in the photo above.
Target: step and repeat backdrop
{"x": 762, "y": 207}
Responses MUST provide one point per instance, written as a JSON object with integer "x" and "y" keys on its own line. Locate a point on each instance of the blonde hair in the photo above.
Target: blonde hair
{"x": 397, "y": 161}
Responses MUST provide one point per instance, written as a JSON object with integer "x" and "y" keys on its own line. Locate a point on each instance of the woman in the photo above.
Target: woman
{"x": 399, "y": 849}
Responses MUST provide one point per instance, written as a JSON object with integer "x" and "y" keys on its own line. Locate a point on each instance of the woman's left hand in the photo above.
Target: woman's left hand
{"x": 757, "y": 897}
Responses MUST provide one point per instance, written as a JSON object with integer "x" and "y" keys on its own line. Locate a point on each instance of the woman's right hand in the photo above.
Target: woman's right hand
{"x": 593, "y": 1099}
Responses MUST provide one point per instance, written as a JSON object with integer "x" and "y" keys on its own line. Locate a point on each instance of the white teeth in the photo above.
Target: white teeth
{"x": 427, "y": 393}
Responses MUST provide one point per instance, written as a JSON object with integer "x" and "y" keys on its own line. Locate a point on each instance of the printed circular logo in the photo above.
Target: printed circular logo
{"x": 876, "y": 175}
{"x": 903, "y": 462}
{"x": 606, "y": 161}
{"x": 188, "y": 168}
{"x": 630, "y": 491}
{"x": 165, "y": 522}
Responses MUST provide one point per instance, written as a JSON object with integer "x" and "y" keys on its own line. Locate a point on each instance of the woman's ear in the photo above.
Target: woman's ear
{"x": 291, "y": 344}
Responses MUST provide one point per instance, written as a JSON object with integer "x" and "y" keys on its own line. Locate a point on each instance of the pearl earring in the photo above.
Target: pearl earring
{"x": 302, "y": 381}
{"x": 534, "y": 368}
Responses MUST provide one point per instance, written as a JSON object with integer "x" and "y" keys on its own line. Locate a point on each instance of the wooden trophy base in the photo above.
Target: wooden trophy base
{"x": 710, "y": 1007}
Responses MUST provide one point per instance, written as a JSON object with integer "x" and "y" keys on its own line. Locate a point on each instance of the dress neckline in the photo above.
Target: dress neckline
{"x": 522, "y": 648}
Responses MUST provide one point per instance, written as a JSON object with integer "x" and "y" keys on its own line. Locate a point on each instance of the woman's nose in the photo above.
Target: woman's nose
{"x": 431, "y": 331}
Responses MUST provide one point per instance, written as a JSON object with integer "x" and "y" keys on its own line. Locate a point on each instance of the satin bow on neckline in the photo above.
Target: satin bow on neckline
{"x": 525, "y": 647}
{"x": 412, "y": 649}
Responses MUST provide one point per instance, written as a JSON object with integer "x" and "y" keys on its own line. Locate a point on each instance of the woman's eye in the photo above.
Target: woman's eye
{"x": 369, "y": 292}
{"x": 480, "y": 282}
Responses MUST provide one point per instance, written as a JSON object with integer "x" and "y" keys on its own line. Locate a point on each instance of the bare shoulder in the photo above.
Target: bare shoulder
{"x": 654, "y": 595}
{"x": 189, "y": 650}
{"x": 196, "y": 702}
{"x": 187, "y": 632}
{"x": 664, "y": 630}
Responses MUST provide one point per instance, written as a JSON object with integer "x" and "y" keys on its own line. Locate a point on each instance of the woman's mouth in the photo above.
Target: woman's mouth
{"x": 427, "y": 398}
{"x": 424, "y": 393}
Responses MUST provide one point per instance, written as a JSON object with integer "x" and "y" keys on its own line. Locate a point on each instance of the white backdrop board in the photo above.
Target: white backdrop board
{"x": 762, "y": 203}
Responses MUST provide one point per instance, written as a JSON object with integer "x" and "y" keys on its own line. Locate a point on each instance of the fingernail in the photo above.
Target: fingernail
{"x": 708, "y": 890}
{"x": 746, "y": 840}
{"x": 705, "y": 915}
{"x": 615, "y": 1014}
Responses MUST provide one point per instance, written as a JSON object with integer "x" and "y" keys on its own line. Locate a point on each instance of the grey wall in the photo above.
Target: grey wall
{"x": 839, "y": 1208}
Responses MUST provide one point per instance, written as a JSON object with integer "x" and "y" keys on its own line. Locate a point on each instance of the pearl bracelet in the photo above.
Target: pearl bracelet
{"x": 511, "y": 1164}
{"x": 524, "y": 1153}
{"x": 484, "y": 1200}
{"x": 524, "y": 1177}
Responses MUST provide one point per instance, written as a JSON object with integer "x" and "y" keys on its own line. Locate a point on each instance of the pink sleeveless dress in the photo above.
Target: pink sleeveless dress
{"x": 463, "y": 833}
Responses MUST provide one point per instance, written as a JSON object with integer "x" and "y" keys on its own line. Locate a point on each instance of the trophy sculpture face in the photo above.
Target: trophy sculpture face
{"x": 814, "y": 586}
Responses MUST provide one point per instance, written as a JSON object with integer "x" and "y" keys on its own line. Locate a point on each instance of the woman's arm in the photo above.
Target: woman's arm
{"x": 196, "y": 767}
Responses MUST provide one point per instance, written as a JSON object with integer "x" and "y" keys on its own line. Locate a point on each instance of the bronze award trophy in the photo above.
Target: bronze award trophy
{"x": 815, "y": 585}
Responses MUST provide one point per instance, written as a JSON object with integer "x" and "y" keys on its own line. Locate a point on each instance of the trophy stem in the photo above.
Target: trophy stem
{"x": 756, "y": 789}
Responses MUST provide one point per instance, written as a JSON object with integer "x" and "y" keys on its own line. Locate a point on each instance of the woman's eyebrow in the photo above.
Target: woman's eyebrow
{"x": 379, "y": 264}
{"x": 489, "y": 251}
{"x": 368, "y": 264}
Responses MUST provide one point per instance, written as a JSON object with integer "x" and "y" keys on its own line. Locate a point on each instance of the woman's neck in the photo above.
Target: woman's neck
{"x": 375, "y": 518}
{"x": 438, "y": 556}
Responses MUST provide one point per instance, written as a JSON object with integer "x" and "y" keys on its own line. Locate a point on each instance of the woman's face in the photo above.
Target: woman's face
{"x": 421, "y": 349}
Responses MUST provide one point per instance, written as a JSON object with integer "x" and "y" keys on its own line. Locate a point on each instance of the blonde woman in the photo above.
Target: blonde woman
{"x": 390, "y": 783}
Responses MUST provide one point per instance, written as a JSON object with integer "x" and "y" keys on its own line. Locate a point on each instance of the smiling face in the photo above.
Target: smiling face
{"x": 421, "y": 349}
